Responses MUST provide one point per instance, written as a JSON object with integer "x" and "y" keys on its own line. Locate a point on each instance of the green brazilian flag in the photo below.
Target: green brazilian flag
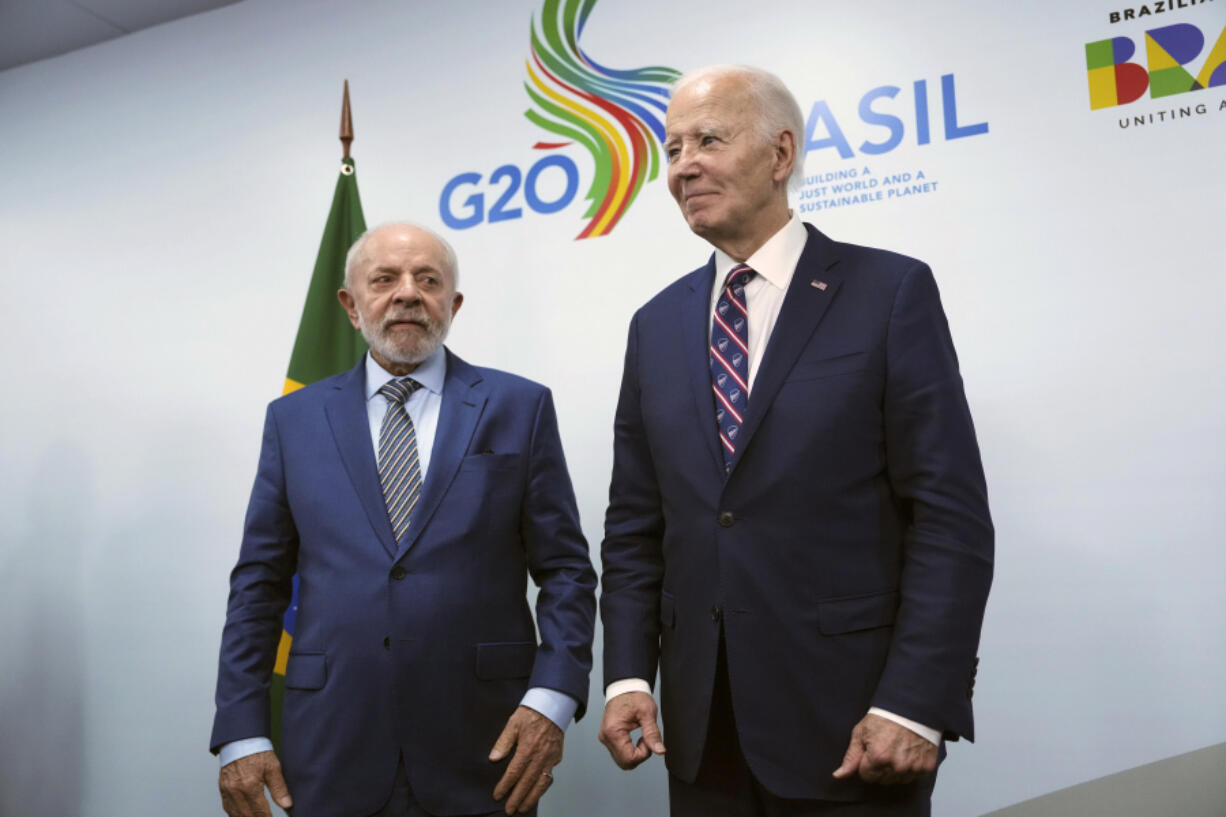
{"x": 326, "y": 345}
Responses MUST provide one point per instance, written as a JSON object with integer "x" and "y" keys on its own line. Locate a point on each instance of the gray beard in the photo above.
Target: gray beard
{"x": 410, "y": 352}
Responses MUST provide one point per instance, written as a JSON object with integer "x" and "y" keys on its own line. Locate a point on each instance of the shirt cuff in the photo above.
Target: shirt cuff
{"x": 232, "y": 751}
{"x": 929, "y": 734}
{"x": 557, "y": 706}
{"x": 624, "y": 685}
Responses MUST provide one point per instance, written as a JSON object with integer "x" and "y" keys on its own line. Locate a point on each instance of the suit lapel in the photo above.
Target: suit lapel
{"x": 804, "y": 305}
{"x": 463, "y": 401}
{"x": 346, "y": 411}
{"x": 696, "y": 326}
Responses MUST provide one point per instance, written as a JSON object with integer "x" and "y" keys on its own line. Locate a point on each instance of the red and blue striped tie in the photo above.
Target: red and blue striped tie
{"x": 730, "y": 359}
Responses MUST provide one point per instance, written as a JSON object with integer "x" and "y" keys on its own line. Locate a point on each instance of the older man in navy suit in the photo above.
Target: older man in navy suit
{"x": 413, "y": 496}
{"x": 798, "y": 534}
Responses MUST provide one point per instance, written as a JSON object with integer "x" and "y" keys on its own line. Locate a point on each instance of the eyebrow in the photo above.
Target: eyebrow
{"x": 702, "y": 130}
{"x": 414, "y": 271}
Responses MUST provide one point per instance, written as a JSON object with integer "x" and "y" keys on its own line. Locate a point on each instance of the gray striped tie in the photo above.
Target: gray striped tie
{"x": 399, "y": 470}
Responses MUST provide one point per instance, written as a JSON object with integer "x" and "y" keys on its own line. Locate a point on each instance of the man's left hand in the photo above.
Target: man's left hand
{"x": 882, "y": 751}
{"x": 537, "y": 742}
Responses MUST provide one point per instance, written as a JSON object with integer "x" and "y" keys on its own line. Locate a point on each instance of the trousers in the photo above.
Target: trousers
{"x": 726, "y": 786}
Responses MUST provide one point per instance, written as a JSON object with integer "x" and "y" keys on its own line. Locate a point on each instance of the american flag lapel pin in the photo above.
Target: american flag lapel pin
{"x": 816, "y": 284}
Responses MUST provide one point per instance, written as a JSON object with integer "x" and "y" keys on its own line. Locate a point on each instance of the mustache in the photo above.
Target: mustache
{"x": 417, "y": 316}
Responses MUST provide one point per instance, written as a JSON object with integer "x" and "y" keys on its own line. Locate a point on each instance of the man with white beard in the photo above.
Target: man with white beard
{"x": 413, "y": 496}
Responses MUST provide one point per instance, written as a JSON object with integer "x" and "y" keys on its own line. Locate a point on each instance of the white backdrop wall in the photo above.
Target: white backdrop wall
{"x": 162, "y": 199}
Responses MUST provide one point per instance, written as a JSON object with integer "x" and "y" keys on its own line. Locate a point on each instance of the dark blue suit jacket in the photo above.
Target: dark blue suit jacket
{"x": 848, "y": 554}
{"x": 423, "y": 647}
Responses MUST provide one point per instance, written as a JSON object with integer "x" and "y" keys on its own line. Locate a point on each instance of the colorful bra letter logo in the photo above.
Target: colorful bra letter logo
{"x": 1116, "y": 81}
{"x": 616, "y": 115}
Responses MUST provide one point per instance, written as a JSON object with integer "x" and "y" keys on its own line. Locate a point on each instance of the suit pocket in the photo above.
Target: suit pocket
{"x": 828, "y": 367}
{"x": 512, "y": 659}
{"x": 854, "y": 613}
{"x": 668, "y": 610}
{"x": 491, "y": 462}
{"x": 306, "y": 670}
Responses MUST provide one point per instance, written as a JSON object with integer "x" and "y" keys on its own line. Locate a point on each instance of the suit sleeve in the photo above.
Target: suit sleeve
{"x": 560, "y": 565}
{"x": 934, "y": 467}
{"x": 261, "y": 586}
{"x": 632, "y": 552}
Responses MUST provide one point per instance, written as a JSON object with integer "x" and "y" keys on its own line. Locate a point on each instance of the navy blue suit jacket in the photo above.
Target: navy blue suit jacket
{"x": 423, "y": 647}
{"x": 848, "y": 553}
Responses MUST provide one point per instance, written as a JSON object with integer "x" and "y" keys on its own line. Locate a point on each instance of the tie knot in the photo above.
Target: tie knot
{"x": 740, "y": 275}
{"x": 397, "y": 391}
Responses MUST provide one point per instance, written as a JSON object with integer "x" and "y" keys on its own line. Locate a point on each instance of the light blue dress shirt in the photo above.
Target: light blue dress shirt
{"x": 423, "y": 406}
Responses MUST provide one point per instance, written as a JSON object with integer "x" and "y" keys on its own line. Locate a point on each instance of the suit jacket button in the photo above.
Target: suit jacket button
{"x": 726, "y": 519}
{"x": 716, "y": 613}
{"x": 387, "y": 643}
{"x": 399, "y": 572}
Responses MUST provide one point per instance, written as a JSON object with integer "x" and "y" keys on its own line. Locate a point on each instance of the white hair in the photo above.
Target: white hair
{"x": 357, "y": 251}
{"x": 777, "y": 108}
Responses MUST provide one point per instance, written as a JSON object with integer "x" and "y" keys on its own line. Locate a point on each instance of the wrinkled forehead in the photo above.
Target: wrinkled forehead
{"x": 708, "y": 105}
{"x": 405, "y": 248}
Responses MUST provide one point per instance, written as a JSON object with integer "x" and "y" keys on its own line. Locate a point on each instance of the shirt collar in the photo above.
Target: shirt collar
{"x": 775, "y": 260}
{"x": 430, "y": 373}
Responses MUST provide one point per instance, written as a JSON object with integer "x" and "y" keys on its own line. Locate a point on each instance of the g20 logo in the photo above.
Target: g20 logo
{"x": 1168, "y": 50}
{"x": 472, "y": 210}
{"x": 614, "y": 115}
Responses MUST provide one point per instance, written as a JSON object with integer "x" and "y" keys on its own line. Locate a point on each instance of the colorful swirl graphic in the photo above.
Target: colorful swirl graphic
{"x": 617, "y": 115}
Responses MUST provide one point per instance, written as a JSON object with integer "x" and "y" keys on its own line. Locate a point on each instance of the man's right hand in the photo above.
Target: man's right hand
{"x": 242, "y": 785}
{"x": 622, "y": 715}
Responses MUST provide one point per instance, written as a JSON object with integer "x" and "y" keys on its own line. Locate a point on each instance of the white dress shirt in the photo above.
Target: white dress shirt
{"x": 775, "y": 263}
{"x": 423, "y": 406}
